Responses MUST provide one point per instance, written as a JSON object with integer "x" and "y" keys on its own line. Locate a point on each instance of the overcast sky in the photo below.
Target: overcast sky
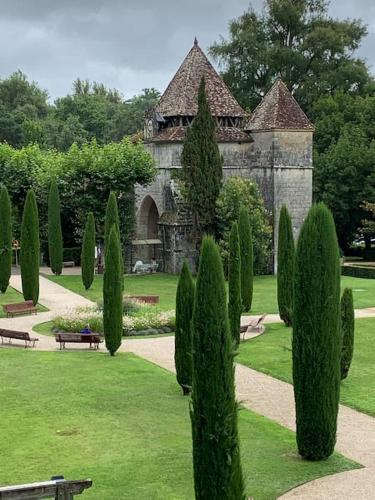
{"x": 126, "y": 44}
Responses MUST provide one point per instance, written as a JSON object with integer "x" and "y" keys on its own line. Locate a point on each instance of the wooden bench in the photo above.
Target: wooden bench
{"x": 69, "y": 263}
{"x": 78, "y": 338}
{"x": 56, "y": 488}
{"x": 20, "y": 308}
{"x": 147, "y": 299}
{"x": 12, "y": 334}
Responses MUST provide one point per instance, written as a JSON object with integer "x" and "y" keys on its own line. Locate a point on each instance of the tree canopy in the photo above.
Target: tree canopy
{"x": 295, "y": 39}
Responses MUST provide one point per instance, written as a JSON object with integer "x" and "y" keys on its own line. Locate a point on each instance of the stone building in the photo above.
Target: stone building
{"x": 272, "y": 145}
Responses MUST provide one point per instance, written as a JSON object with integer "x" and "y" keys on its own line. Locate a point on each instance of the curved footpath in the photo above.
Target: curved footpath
{"x": 256, "y": 391}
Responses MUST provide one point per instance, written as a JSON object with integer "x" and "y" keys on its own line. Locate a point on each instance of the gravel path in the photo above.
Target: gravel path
{"x": 259, "y": 392}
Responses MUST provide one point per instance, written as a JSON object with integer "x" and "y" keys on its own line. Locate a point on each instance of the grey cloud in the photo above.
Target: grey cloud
{"x": 127, "y": 44}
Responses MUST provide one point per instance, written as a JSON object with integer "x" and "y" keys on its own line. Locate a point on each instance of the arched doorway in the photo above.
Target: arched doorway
{"x": 147, "y": 230}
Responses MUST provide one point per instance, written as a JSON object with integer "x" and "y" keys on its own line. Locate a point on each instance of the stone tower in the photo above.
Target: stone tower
{"x": 272, "y": 146}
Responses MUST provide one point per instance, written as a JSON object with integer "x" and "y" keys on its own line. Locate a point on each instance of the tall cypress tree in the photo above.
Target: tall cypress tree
{"x": 183, "y": 330}
{"x": 247, "y": 265}
{"x": 88, "y": 252}
{"x": 202, "y": 165}
{"x": 316, "y": 335}
{"x": 5, "y": 239}
{"x": 347, "y": 331}
{"x": 112, "y": 293}
{"x": 285, "y": 266}
{"x": 112, "y": 219}
{"x": 216, "y": 456}
{"x": 234, "y": 284}
{"x": 55, "y": 238}
{"x": 30, "y": 248}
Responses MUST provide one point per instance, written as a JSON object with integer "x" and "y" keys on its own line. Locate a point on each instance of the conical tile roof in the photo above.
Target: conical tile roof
{"x": 278, "y": 110}
{"x": 181, "y": 95}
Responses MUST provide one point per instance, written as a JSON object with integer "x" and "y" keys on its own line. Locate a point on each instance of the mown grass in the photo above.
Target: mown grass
{"x": 164, "y": 285}
{"x": 123, "y": 423}
{"x": 271, "y": 353}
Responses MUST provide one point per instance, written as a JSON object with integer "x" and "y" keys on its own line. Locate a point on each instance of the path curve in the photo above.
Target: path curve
{"x": 256, "y": 391}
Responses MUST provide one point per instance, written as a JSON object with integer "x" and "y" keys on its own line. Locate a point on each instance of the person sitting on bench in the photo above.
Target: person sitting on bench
{"x": 86, "y": 329}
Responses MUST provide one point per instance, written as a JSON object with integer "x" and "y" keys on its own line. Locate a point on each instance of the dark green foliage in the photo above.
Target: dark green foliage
{"x": 88, "y": 252}
{"x": 5, "y": 239}
{"x": 246, "y": 248}
{"x": 285, "y": 267}
{"x": 30, "y": 249}
{"x": 358, "y": 272}
{"x": 234, "y": 284}
{"x": 347, "y": 331}
{"x": 183, "y": 329}
{"x": 202, "y": 165}
{"x": 216, "y": 457}
{"x": 316, "y": 335}
{"x": 112, "y": 219}
{"x": 112, "y": 294}
{"x": 55, "y": 240}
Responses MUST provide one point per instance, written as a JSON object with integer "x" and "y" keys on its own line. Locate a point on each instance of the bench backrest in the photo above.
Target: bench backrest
{"x": 14, "y": 334}
{"x": 77, "y": 337}
{"x": 28, "y": 304}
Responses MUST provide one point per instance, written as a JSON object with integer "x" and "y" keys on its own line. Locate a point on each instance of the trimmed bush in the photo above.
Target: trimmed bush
{"x": 112, "y": 294}
{"x": 5, "y": 239}
{"x": 246, "y": 249}
{"x": 216, "y": 456}
{"x": 234, "y": 284}
{"x": 88, "y": 252}
{"x": 55, "y": 239}
{"x": 358, "y": 271}
{"x": 347, "y": 331}
{"x": 183, "y": 332}
{"x": 285, "y": 267}
{"x": 30, "y": 249}
{"x": 316, "y": 335}
{"x": 111, "y": 218}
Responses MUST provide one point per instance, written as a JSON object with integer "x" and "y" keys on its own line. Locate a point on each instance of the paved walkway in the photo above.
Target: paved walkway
{"x": 259, "y": 392}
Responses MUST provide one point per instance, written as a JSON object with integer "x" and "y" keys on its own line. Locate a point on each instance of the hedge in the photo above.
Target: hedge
{"x": 358, "y": 272}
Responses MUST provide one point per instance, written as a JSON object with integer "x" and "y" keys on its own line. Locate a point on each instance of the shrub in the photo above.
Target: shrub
{"x": 55, "y": 240}
{"x": 285, "y": 267}
{"x": 358, "y": 271}
{"x": 112, "y": 293}
{"x": 236, "y": 193}
{"x": 316, "y": 335}
{"x": 216, "y": 457}
{"x": 183, "y": 332}
{"x": 88, "y": 252}
{"x": 30, "y": 249}
{"x": 347, "y": 331}
{"x": 5, "y": 239}
{"x": 246, "y": 249}
{"x": 234, "y": 284}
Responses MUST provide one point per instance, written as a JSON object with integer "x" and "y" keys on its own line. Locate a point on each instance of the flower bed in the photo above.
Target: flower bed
{"x": 143, "y": 319}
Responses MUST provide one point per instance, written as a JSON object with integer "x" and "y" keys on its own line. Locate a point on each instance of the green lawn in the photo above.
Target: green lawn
{"x": 11, "y": 296}
{"x": 271, "y": 353}
{"x": 123, "y": 423}
{"x": 165, "y": 286}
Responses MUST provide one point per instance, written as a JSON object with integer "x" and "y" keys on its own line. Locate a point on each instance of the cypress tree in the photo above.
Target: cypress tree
{"x": 202, "y": 165}
{"x": 88, "y": 252}
{"x": 5, "y": 239}
{"x": 55, "y": 238}
{"x": 216, "y": 456}
{"x": 246, "y": 249}
{"x": 112, "y": 293}
{"x": 112, "y": 219}
{"x": 347, "y": 331}
{"x": 316, "y": 335}
{"x": 183, "y": 330}
{"x": 30, "y": 248}
{"x": 234, "y": 284}
{"x": 285, "y": 266}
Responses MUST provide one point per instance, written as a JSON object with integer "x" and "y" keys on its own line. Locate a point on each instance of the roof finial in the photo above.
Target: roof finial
{"x": 195, "y": 42}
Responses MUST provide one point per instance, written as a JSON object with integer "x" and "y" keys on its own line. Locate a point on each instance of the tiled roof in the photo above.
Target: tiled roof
{"x": 278, "y": 110}
{"x": 181, "y": 95}
{"x": 224, "y": 134}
